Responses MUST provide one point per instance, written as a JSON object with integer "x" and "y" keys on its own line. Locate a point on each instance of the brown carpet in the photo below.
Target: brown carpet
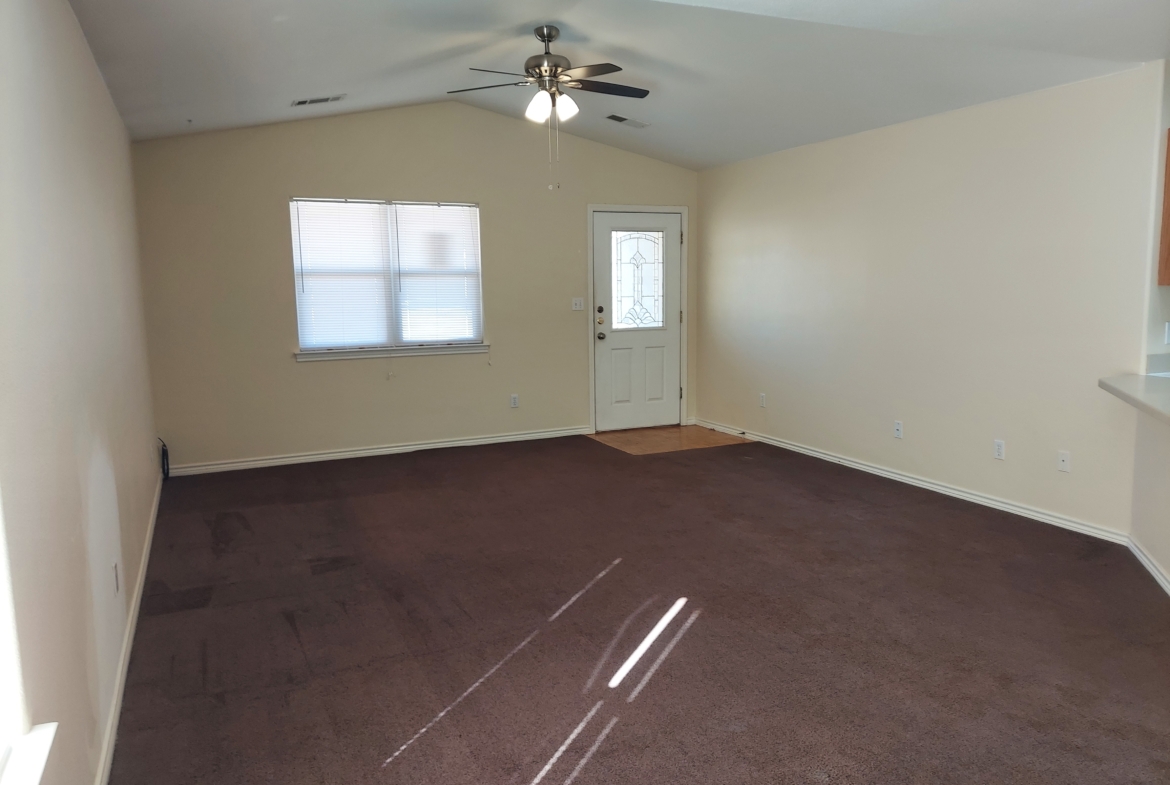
{"x": 304, "y": 623}
{"x": 667, "y": 438}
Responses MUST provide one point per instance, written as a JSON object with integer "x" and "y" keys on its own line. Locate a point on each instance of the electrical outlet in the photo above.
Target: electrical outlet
{"x": 1000, "y": 450}
{"x": 514, "y": 402}
{"x": 578, "y": 303}
{"x": 897, "y": 429}
{"x": 1063, "y": 461}
{"x": 763, "y": 401}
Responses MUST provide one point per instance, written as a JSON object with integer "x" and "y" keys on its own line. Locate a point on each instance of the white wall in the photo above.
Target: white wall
{"x": 77, "y": 466}
{"x": 220, "y": 296}
{"x": 972, "y": 274}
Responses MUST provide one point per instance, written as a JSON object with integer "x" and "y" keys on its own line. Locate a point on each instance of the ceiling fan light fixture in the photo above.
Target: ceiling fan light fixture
{"x": 540, "y": 107}
{"x": 566, "y": 107}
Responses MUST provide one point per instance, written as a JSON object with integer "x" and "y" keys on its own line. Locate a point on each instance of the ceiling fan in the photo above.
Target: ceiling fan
{"x": 551, "y": 74}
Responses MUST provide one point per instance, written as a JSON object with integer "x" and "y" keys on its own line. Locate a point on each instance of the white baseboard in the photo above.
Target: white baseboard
{"x": 106, "y": 759}
{"x": 1161, "y": 575}
{"x": 1056, "y": 519}
{"x": 331, "y": 455}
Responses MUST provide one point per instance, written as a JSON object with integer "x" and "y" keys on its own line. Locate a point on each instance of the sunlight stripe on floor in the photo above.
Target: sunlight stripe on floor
{"x": 576, "y": 596}
{"x": 561, "y": 750}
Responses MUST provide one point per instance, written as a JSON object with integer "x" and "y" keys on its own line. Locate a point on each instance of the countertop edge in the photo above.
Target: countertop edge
{"x": 1149, "y": 394}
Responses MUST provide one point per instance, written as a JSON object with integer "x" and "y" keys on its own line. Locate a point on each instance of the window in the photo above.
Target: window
{"x": 386, "y": 276}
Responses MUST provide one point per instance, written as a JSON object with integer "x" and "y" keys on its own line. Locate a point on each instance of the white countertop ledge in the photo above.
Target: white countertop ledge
{"x": 1150, "y": 394}
{"x": 27, "y": 755}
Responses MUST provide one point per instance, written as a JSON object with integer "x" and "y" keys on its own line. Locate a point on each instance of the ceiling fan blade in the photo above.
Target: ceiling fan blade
{"x": 586, "y": 71}
{"x": 609, "y": 89}
{"x": 490, "y": 71}
{"x": 489, "y": 87}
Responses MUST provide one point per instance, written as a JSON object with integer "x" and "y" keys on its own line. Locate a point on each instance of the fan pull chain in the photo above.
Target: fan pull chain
{"x": 554, "y": 172}
{"x": 550, "y": 154}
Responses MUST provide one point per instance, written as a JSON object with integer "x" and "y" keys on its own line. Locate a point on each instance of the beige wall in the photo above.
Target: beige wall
{"x": 77, "y": 466}
{"x": 972, "y": 274}
{"x": 217, "y": 272}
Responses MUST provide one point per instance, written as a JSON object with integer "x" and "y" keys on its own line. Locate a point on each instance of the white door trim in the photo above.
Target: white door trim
{"x": 686, "y": 325}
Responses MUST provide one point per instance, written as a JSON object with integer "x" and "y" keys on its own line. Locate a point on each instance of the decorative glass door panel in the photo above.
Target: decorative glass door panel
{"x": 639, "y": 285}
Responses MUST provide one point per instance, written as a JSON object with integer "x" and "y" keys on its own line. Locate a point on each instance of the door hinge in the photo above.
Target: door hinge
{"x": 680, "y": 317}
{"x": 680, "y": 393}
{"x": 680, "y": 238}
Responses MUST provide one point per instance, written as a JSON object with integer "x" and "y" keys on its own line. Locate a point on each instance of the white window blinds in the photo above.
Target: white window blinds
{"x": 385, "y": 274}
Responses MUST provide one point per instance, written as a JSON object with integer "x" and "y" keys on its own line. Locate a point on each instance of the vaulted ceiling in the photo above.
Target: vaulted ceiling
{"x": 728, "y": 79}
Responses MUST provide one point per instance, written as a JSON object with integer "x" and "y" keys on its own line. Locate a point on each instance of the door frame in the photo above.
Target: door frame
{"x": 682, "y": 211}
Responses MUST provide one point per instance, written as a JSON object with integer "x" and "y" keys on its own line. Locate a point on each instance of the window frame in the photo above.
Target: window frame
{"x": 392, "y": 315}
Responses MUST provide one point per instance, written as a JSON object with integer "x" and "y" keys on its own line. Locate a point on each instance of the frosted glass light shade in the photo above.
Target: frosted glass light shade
{"x": 540, "y": 107}
{"x": 566, "y": 108}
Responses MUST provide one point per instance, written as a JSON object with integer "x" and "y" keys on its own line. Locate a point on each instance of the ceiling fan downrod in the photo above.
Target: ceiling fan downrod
{"x": 547, "y": 67}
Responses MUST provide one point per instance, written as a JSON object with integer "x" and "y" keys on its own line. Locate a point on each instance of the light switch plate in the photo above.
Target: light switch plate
{"x": 578, "y": 303}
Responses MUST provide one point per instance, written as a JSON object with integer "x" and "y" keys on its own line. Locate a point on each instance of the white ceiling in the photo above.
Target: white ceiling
{"x": 728, "y": 79}
{"x": 1122, "y": 30}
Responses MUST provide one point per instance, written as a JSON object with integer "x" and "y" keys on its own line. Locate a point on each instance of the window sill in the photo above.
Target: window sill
{"x": 391, "y": 351}
{"x": 27, "y": 756}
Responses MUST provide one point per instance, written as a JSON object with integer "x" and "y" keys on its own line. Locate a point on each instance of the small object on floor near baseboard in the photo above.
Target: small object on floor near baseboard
{"x": 165, "y": 459}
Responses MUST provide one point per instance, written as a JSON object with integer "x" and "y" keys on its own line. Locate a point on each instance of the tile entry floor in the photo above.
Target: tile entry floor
{"x": 666, "y": 438}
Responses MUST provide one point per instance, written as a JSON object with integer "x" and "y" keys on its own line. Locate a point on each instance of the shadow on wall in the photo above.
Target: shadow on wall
{"x": 1151, "y": 494}
{"x": 107, "y": 589}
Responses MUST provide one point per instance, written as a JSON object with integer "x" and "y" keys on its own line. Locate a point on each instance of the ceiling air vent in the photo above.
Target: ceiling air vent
{"x": 617, "y": 118}
{"x": 326, "y": 100}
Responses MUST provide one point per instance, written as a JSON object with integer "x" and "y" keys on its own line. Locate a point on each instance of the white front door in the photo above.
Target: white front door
{"x": 637, "y": 315}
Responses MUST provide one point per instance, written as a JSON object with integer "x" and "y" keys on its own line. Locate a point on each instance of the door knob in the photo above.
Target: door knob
{"x": 601, "y": 336}
{"x": 601, "y": 320}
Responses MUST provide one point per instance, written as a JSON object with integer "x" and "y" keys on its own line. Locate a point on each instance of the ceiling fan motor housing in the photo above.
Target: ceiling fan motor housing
{"x": 545, "y": 69}
{"x": 546, "y": 65}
